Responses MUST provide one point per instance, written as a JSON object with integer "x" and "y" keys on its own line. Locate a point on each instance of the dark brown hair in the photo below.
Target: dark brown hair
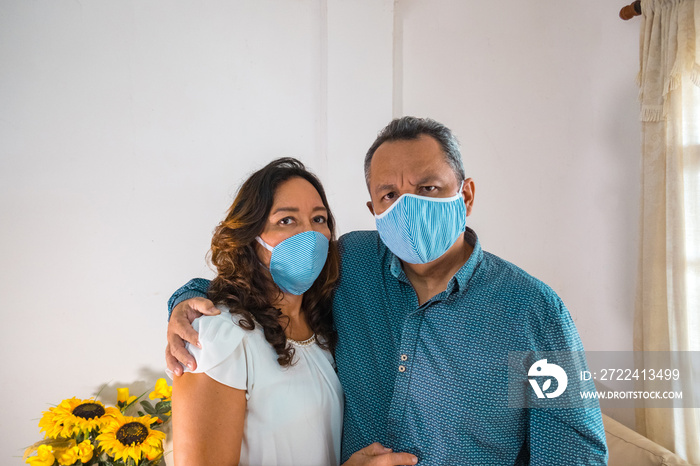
{"x": 410, "y": 128}
{"x": 244, "y": 284}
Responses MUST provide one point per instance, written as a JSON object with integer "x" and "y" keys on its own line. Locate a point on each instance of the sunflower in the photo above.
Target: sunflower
{"x": 74, "y": 416}
{"x": 131, "y": 437}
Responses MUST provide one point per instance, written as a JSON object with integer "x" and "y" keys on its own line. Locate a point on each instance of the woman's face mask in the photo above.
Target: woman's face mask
{"x": 296, "y": 262}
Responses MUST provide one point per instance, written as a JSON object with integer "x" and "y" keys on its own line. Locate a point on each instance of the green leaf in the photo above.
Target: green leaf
{"x": 163, "y": 406}
{"x": 148, "y": 407}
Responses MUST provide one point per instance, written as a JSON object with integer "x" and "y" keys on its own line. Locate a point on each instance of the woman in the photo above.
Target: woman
{"x": 265, "y": 390}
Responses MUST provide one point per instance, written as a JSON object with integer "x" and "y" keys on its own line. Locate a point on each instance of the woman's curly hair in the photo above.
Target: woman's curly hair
{"x": 244, "y": 284}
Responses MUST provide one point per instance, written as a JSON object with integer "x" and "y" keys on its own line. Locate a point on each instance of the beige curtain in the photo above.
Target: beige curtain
{"x": 668, "y": 305}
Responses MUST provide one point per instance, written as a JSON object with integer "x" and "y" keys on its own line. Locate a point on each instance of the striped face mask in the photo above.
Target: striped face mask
{"x": 420, "y": 229}
{"x": 297, "y": 261}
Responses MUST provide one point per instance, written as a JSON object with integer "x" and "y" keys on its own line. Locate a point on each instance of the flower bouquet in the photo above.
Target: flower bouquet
{"x": 86, "y": 432}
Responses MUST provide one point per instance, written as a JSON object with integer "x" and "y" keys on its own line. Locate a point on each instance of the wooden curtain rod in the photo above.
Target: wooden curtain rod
{"x": 631, "y": 10}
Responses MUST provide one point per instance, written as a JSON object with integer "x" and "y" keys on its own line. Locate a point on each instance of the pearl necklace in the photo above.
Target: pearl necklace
{"x": 307, "y": 342}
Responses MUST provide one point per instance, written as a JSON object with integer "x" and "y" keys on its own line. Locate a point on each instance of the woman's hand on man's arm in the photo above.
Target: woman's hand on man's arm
{"x": 180, "y": 331}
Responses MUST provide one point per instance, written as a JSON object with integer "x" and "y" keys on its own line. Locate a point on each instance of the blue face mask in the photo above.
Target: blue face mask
{"x": 297, "y": 261}
{"x": 420, "y": 229}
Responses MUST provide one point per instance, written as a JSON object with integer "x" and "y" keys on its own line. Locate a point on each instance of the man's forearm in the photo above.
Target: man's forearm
{"x": 195, "y": 288}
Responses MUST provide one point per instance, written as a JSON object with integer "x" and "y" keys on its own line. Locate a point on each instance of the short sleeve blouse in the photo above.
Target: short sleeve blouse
{"x": 294, "y": 414}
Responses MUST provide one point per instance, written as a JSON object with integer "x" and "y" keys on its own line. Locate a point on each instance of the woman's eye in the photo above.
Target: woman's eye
{"x": 320, "y": 219}
{"x": 286, "y": 221}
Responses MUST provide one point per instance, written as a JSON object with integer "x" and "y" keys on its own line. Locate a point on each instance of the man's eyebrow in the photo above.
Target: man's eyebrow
{"x": 428, "y": 179}
{"x": 384, "y": 187}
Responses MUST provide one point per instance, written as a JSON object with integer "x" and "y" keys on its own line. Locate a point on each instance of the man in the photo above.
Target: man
{"x": 426, "y": 321}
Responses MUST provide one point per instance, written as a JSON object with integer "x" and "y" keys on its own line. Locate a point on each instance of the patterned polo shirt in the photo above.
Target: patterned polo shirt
{"x": 432, "y": 379}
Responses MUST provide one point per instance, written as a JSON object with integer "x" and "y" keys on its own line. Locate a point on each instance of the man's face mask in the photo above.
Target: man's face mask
{"x": 420, "y": 229}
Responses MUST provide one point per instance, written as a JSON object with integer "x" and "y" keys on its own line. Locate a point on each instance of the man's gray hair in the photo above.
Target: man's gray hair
{"x": 407, "y": 128}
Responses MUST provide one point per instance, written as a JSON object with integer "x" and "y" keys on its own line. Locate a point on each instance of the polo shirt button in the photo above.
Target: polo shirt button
{"x": 404, "y": 357}
{"x": 402, "y": 368}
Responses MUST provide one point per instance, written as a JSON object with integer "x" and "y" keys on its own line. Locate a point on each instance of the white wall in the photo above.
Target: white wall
{"x": 126, "y": 126}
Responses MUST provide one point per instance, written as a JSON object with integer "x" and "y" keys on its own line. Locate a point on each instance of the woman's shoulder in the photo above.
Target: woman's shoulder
{"x": 223, "y": 325}
{"x": 226, "y": 345}
{"x": 220, "y": 336}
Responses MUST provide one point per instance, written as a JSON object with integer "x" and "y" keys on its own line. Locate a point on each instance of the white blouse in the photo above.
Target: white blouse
{"x": 294, "y": 414}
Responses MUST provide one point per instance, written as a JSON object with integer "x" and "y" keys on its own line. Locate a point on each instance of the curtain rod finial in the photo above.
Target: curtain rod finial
{"x": 631, "y": 10}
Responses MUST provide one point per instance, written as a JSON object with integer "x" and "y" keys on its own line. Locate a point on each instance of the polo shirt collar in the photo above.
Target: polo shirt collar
{"x": 461, "y": 277}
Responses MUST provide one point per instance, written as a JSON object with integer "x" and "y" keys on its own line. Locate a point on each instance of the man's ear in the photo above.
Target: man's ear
{"x": 370, "y": 207}
{"x": 468, "y": 193}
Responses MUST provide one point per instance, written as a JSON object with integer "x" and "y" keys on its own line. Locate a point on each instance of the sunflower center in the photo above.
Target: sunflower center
{"x": 132, "y": 433}
{"x": 89, "y": 410}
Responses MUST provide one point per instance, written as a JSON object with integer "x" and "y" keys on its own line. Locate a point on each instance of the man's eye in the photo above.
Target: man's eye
{"x": 389, "y": 196}
{"x": 428, "y": 189}
{"x": 320, "y": 219}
